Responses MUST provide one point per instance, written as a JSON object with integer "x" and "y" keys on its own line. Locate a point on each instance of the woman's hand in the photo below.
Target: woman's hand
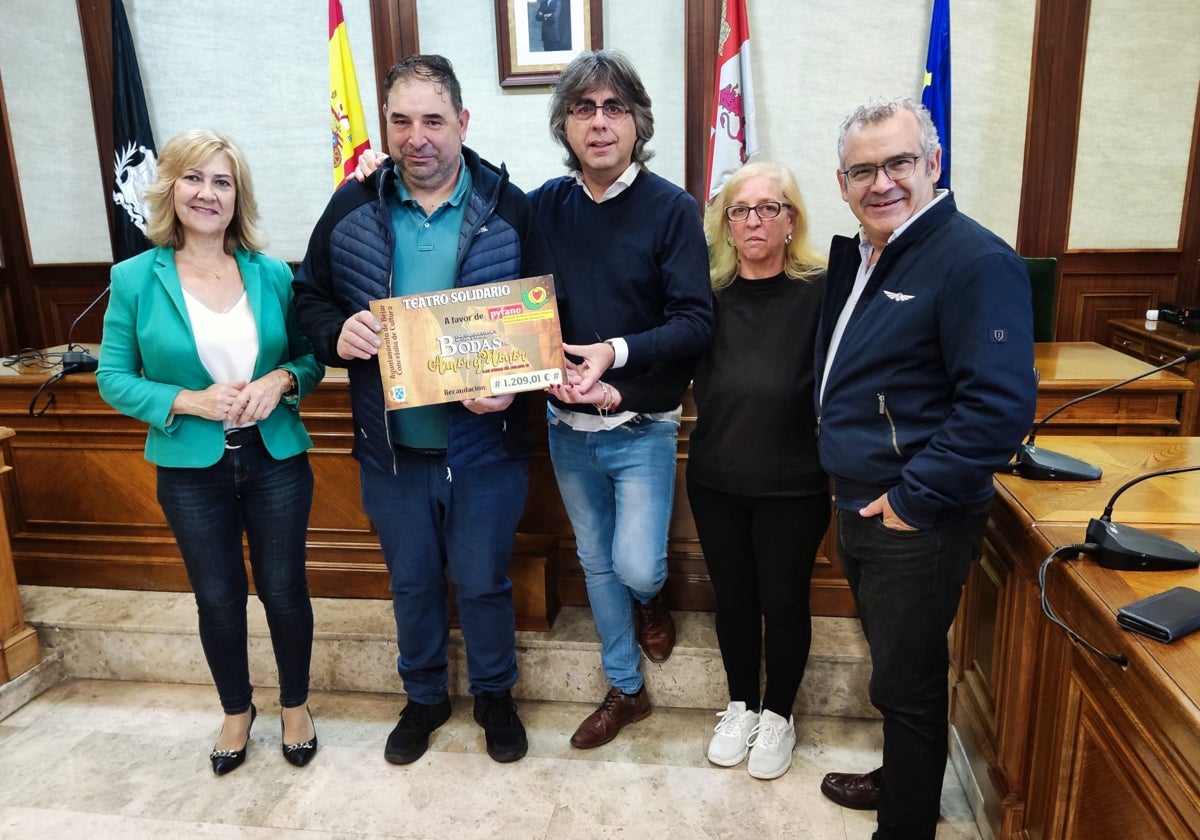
{"x": 257, "y": 400}
{"x": 213, "y": 403}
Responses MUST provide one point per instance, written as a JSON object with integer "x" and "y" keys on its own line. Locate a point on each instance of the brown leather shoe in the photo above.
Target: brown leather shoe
{"x": 655, "y": 629}
{"x": 618, "y": 709}
{"x": 859, "y": 791}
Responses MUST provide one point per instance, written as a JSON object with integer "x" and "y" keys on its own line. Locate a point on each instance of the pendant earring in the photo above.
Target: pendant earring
{"x": 788, "y": 240}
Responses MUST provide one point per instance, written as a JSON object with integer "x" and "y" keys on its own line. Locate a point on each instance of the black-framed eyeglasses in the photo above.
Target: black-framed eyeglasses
{"x": 898, "y": 168}
{"x": 766, "y": 210}
{"x": 585, "y": 111}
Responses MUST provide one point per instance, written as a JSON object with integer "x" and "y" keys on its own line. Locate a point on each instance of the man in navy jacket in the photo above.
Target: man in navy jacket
{"x": 926, "y": 387}
{"x": 444, "y": 485}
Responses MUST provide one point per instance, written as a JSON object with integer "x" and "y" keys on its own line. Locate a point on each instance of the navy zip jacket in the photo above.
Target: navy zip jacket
{"x": 349, "y": 264}
{"x": 932, "y": 388}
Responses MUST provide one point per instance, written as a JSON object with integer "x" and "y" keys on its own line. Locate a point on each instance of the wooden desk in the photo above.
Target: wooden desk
{"x": 1064, "y": 744}
{"x": 18, "y": 642}
{"x": 1150, "y": 406}
{"x": 1156, "y": 343}
{"x": 84, "y": 511}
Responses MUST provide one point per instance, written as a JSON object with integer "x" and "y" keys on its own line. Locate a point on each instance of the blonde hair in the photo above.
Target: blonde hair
{"x": 801, "y": 260}
{"x": 190, "y": 150}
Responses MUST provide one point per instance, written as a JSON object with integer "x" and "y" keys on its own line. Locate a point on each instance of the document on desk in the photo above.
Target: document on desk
{"x": 474, "y": 341}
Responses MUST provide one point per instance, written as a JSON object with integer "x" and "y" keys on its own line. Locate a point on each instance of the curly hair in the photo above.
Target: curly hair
{"x": 884, "y": 109}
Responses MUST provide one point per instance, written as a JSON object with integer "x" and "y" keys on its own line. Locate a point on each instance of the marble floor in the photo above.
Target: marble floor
{"x": 112, "y": 759}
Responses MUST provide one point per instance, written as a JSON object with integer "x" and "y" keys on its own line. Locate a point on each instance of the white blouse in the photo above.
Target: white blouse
{"x": 227, "y": 342}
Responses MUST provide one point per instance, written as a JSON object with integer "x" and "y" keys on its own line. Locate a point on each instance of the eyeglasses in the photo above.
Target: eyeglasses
{"x": 766, "y": 210}
{"x": 898, "y": 168}
{"x": 586, "y": 111}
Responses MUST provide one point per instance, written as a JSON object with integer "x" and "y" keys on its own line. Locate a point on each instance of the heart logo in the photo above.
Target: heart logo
{"x": 536, "y": 297}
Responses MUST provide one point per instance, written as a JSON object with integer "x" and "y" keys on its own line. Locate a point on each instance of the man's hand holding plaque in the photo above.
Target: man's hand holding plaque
{"x": 473, "y": 344}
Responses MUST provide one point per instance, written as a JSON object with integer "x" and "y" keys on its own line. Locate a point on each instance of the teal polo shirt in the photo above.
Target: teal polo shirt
{"x": 424, "y": 261}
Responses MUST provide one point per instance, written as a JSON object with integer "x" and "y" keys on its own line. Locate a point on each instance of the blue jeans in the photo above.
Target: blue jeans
{"x": 208, "y": 509}
{"x": 618, "y": 486}
{"x": 431, "y": 520}
{"x": 907, "y": 585}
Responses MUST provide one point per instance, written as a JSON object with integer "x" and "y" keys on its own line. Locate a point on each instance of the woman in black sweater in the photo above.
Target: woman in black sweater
{"x": 759, "y": 498}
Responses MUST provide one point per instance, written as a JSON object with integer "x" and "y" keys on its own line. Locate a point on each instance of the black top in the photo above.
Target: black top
{"x": 756, "y": 428}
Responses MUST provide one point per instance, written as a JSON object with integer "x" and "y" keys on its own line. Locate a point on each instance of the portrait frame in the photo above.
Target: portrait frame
{"x": 523, "y": 58}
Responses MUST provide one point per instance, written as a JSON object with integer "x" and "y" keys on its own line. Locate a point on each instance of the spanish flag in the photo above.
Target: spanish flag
{"x": 349, "y": 127}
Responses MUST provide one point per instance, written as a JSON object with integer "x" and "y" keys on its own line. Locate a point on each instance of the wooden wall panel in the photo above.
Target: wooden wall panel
{"x": 8, "y": 331}
{"x": 395, "y": 35}
{"x": 59, "y": 305}
{"x": 703, "y": 22}
{"x": 83, "y": 512}
{"x": 1088, "y": 300}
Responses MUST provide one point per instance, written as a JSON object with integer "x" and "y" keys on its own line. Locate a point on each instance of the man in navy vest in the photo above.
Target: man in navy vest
{"x": 444, "y": 485}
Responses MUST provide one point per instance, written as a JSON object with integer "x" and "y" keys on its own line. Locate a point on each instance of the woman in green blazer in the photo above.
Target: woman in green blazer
{"x": 200, "y": 343}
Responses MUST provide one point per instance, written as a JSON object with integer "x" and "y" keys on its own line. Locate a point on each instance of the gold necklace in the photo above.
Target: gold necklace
{"x": 216, "y": 275}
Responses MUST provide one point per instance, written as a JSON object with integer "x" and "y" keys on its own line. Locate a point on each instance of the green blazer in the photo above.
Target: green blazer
{"x": 148, "y": 355}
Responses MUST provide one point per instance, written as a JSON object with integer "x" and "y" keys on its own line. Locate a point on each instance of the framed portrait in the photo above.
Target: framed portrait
{"x": 536, "y": 39}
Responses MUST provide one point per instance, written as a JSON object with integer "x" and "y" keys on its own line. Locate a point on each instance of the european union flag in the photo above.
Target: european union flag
{"x": 136, "y": 164}
{"x": 936, "y": 94}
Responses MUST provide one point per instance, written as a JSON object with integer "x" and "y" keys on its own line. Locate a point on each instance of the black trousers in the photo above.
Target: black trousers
{"x": 907, "y": 585}
{"x": 760, "y": 553}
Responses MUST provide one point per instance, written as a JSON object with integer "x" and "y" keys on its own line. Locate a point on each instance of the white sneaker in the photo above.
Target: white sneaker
{"x": 771, "y": 744}
{"x": 728, "y": 746}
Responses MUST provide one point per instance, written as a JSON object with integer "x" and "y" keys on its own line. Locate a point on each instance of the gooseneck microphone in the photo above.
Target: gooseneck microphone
{"x": 81, "y": 361}
{"x": 1045, "y": 465}
{"x": 73, "y": 361}
{"x": 1129, "y": 549}
{"x": 1122, "y": 548}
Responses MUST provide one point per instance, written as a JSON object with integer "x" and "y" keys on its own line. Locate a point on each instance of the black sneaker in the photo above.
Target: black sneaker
{"x": 502, "y": 729}
{"x": 410, "y": 738}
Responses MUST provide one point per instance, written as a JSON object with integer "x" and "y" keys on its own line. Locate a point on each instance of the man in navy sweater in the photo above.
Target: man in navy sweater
{"x": 926, "y": 387}
{"x": 632, "y": 265}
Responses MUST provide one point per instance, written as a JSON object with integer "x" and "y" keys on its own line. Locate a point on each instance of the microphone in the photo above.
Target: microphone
{"x": 81, "y": 361}
{"x": 1045, "y": 465}
{"x": 1129, "y": 549}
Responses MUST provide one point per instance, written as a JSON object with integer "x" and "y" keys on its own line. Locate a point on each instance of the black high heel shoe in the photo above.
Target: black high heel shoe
{"x": 302, "y": 753}
{"x": 225, "y": 761}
